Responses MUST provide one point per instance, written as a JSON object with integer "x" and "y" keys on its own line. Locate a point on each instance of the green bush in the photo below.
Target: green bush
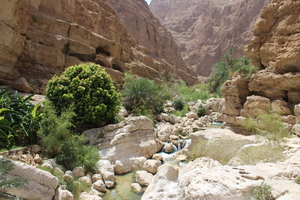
{"x": 59, "y": 140}
{"x": 201, "y": 110}
{"x": 193, "y": 93}
{"x": 267, "y": 124}
{"x": 89, "y": 89}
{"x": 224, "y": 69}
{"x": 73, "y": 153}
{"x": 18, "y": 121}
{"x": 262, "y": 192}
{"x": 178, "y": 103}
{"x": 142, "y": 96}
{"x": 54, "y": 129}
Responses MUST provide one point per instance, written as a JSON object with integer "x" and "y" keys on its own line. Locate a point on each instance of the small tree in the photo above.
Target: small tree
{"x": 6, "y": 166}
{"x": 89, "y": 89}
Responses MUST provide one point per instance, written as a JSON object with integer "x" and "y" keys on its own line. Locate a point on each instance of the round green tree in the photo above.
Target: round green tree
{"x": 89, "y": 90}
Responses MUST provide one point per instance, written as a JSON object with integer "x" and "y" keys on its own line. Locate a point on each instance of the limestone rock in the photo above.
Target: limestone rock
{"x": 157, "y": 157}
{"x": 100, "y": 186}
{"x": 164, "y": 184}
{"x": 192, "y": 115}
{"x": 136, "y": 188}
{"x": 200, "y": 34}
{"x": 214, "y": 139}
{"x": 255, "y": 105}
{"x": 169, "y": 148}
{"x": 108, "y": 178}
{"x": 41, "y": 184}
{"x": 130, "y": 139}
{"x": 143, "y": 178}
{"x": 86, "y": 180}
{"x": 205, "y": 177}
{"x": 163, "y": 132}
{"x": 281, "y": 106}
{"x": 86, "y": 196}
{"x": 152, "y": 165}
{"x": 96, "y": 177}
{"x": 68, "y": 178}
{"x": 22, "y": 85}
{"x": 104, "y": 165}
{"x": 78, "y": 172}
{"x": 213, "y": 105}
{"x": 63, "y": 195}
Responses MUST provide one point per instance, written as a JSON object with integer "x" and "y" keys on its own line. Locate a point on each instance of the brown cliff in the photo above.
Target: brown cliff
{"x": 41, "y": 38}
{"x": 206, "y": 29}
{"x": 147, "y": 31}
{"x": 275, "y": 50}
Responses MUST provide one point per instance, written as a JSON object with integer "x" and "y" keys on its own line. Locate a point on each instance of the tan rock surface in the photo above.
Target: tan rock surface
{"x": 42, "y": 38}
{"x": 125, "y": 141}
{"x": 147, "y": 31}
{"x": 205, "y": 29}
{"x": 41, "y": 184}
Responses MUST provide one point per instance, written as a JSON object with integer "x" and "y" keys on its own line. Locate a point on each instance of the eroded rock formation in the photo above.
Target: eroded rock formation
{"x": 41, "y": 38}
{"x": 205, "y": 29}
{"x": 274, "y": 49}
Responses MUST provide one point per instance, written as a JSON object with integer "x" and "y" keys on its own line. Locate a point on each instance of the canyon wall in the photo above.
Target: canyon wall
{"x": 275, "y": 50}
{"x": 41, "y": 38}
{"x": 206, "y": 29}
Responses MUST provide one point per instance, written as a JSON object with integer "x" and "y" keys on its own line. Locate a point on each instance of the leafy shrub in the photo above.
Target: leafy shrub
{"x": 267, "y": 124}
{"x": 6, "y": 166}
{"x": 59, "y": 140}
{"x": 178, "y": 103}
{"x": 262, "y": 192}
{"x": 89, "y": 89}
{"x": 73, "y": 153}
{"x": 19, "y": 120}
{"x": 194, "y": 93}
{"x": 201, "y": 110}
{"x": 141, "y": 95}
{"x": 224, "y": 69}
{"x": 54, "y": 129}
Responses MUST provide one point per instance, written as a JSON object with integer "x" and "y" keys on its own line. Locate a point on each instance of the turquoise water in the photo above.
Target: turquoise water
{"x": 122, "y": 190}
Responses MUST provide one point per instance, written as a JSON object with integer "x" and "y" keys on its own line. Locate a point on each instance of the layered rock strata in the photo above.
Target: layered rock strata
{"x": 41, "y": 38}
{"x": 147, "y": 31}
{"x": 206, "y": 29}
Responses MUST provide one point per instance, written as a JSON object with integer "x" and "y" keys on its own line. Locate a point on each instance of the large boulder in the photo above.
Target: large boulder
{"x": 207, "y": 179}
{"x": 219, "y": 144}
{"x": 255, "y": 105}
{"x": 129, "y": 139}
{"x": 41, "y": 184}
{"x": 164, "y": 184}
{"x": 143, "y": 178}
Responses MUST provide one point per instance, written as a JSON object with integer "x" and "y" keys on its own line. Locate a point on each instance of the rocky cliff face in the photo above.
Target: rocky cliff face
{"x": 274, "y": 49}
{"x": 205, "y": 29}
{"x": 41, "y": 38}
